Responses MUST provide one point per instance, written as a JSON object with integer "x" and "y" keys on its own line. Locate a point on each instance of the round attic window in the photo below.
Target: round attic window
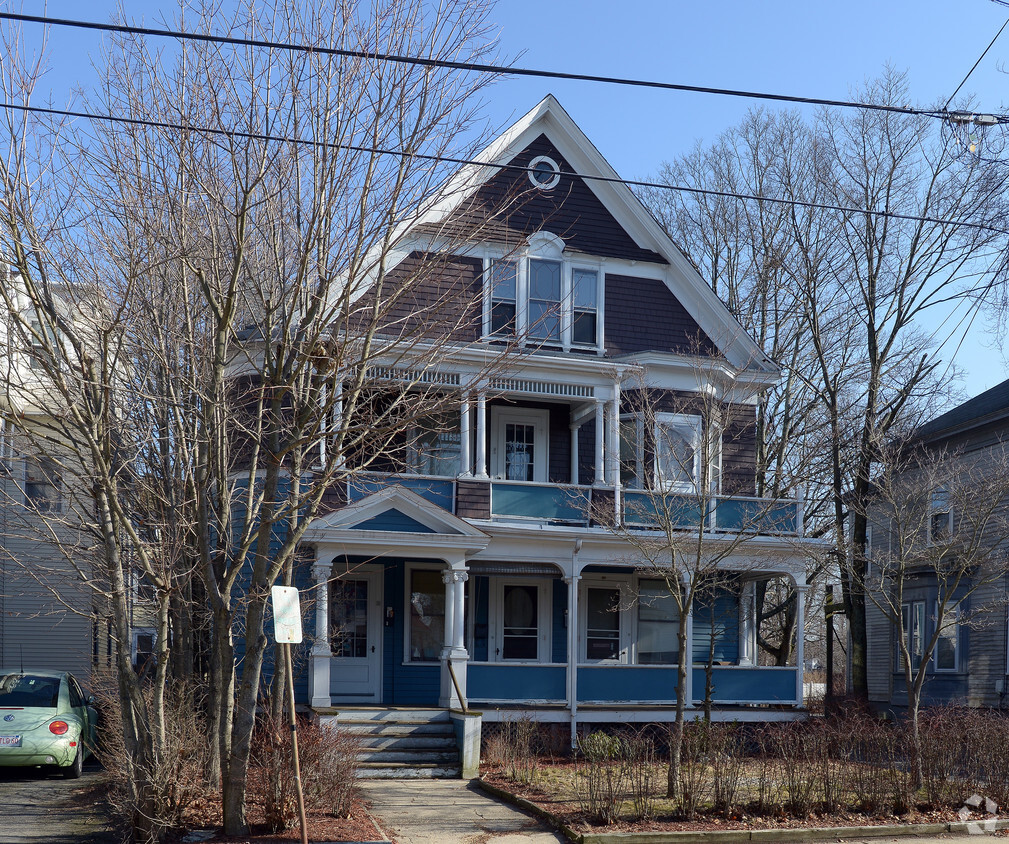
{"x": 544, "y": 172}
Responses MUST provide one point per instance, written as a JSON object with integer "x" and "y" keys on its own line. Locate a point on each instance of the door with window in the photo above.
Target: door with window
{"x": 355, "y": 637}
{"x": 519, "y": 444}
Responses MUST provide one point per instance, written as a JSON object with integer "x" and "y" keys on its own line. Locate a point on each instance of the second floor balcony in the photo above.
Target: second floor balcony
{"x": 580, "y": 505}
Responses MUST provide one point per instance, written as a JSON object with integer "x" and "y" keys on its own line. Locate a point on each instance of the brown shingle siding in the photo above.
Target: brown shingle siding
{"x": 643, "y": 315}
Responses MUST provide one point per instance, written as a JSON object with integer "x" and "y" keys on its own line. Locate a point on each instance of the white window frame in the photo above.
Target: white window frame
{"x": 625, "y": 620}
{"x": 635, "y": 625}
{"x": 495, "y": 619}
{"x": 953, "y": 609}
{"x": 539, "y": 419}
{"x": 639, "y": 448}
{"x": 135, "y": 634}
{"x": 692, "y": 425}
{"x": 907, "y": 634}
{"x": 545, "y": 246}
{"x": 409, "y": 569}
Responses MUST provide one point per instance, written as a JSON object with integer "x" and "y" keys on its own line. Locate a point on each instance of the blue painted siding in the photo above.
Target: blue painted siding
{"x": 416, "y": 684}
{"x": 559, "y": 633}
{"x": 623, "y": 683}
{"x": 439, "y": 492}
{"x": 393, "y": 520}
{"x": 480, "y": 602}
{"x": 516, "y": 682}
{"x": 748, "y": 685}
{"x": 717, "y": 615}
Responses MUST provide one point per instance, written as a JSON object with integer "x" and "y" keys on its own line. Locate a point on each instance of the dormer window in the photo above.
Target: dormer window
{"x": 542, "y": 298}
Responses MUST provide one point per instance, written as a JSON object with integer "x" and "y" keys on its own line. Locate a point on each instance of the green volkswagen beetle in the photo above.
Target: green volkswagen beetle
{"x": 45, "y": 719}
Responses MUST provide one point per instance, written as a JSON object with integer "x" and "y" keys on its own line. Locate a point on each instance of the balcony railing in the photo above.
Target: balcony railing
{"x": 582, "y": 505}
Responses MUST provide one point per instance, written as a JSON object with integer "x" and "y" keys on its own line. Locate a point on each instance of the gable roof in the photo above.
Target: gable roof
{"x": 549, "y": 121}
{"x": 990, "y": 406}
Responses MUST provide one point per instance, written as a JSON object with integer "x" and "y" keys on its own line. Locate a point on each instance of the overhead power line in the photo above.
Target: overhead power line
{"x": 502, "y": 70}
{"x": 445, "y": 159}
{"x": 974, "y": 66}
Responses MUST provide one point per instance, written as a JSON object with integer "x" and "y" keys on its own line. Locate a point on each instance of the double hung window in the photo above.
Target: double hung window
{"x": 434, "y": 446}
{"x": 43, "y": 484}
{"x": 947, "y": 646}
{"x": 677, "y": 452}
{"x": 658, "y": 624}
{"x": 940, "y": 522}
{"x": 544, "y": 300}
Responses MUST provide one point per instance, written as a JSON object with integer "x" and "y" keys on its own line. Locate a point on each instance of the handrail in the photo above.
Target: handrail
{"x": 455, "y": 682}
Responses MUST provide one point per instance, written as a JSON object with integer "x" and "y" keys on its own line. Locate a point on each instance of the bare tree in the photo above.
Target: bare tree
{"x": 689, "y": 515}
{"x": 846, "y": 290}
{"x": 216, "y": 292}
{"x": 941, "y": 519}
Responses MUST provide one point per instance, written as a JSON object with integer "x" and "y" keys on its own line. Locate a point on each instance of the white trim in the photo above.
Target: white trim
{"x": 691, "y": 426}
{"x": 409, "y": 568}
{"x": 495, "y": 619}
{"x": 550, "y": 183}
{"x": 539, "y": 420}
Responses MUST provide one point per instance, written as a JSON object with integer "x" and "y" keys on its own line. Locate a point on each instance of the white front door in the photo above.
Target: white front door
{"x": 355, "y": 635}
{"x": 519, "y": 444}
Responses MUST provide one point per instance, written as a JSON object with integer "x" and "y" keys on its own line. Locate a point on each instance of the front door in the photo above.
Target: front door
{"x": 355, "y": 635}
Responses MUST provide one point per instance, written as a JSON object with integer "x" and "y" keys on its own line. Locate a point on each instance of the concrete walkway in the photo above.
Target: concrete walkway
{"x": 449, "y": 812}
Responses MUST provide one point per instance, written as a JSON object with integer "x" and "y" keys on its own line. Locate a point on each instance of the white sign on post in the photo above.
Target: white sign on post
{"x": 286, "y": 614}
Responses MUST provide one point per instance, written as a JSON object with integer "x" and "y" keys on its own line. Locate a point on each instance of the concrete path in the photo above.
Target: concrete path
{"x": 449, "y": 812}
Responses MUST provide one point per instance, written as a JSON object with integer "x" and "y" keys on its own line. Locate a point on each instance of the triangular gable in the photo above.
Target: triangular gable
{"x": 393, "y": 509}
{"x": 507, "y": 209}
{"x": 548, "y": 123}
{"x": 393, "y": 519}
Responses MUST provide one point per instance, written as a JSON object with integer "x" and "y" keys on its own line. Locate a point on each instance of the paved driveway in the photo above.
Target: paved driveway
{"x": 38, "y": 807}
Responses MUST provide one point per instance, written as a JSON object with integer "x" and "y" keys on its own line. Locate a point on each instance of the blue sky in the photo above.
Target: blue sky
{"x": 809, "y": 48}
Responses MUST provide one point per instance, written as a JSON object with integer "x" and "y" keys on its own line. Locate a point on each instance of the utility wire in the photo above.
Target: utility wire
{"x": 445, "y": 159}
{"x": 502, "y": 70}
{"x": 969, "y": 72}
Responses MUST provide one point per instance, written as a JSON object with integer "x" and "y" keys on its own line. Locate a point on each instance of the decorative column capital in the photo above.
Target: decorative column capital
{"x": 571, "y": 578}
{"x": 321, "y": 572}
{"x": 450, "y": 576}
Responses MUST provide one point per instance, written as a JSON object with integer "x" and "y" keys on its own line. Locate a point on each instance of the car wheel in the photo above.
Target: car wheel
{"x": 74, "y": 769}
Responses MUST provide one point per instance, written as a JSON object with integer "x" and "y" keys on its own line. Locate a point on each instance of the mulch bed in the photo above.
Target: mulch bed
{"x": 569, "y": 813}
{"x": 321, "y": 827}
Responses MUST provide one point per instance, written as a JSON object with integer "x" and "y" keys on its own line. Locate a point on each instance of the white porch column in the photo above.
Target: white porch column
{"x": 481, "y": 434}
{"x": 574, "y": 454}
{"x": 321, "y": 653}
{"x": 747, "y": 624}
{"x": 600, "y": 430}
{"x": 800, "y": 642}
{"x": 572, "y": 678}
{"x": 465, "y": 433}
{"x": 613, "y": 440}
{"x": 454, "y": 657}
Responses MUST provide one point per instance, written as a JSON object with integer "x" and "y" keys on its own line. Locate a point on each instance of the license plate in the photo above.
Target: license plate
{"x": 10, "y": 741}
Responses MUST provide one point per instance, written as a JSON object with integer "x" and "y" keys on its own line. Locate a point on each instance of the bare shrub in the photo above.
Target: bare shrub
{"x": 514, "y": 745}
{"x": 694, "y": 786}
{"x": 174, "y": 779}
{"x": 643, "y": 773}
{"x": 726, "y": 756}
{"x": 601, "y": 776}
{"x": 328, "y": 760}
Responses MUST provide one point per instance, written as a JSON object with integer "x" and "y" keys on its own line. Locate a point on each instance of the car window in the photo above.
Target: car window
{"x": 29, "y": 690}
{"x": 76, "y": 696}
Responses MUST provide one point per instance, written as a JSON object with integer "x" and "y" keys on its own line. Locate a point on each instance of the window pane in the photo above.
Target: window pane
{"x": 945, "y": 646}
{"x": 629, "y": 452}
{"x": 545, "y": 280}
{"x": 602, "y": 635}
{"x": 427, "y": 615}
{"x": 503, "y": 280}
{"x": 583, "y": 328}
{"x": 658, "y": 624}
{"x": 675, "y": 455}
{"x": 435, "y": 445}
{"x": 348, "y": 626}
{"x": 502, "y": 318}
{"x": 520, "y": 624}
{"x": 520, "y": 452}
{"x": 544, "y": 320}
{"x": 583, "y": 288}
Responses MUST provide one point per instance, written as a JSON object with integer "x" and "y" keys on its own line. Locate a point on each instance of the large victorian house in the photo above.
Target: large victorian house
{"x": 495, "y": 574}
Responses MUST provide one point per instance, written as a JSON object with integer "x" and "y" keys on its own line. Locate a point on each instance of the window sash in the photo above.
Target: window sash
{"x": 677, "y": 452}
{"x": 602, "y": 624}
{"x": 658, "y": 625}
{"x": 427, "y": 615}
{"x": 912, "y": 632}
{"x": 947, "y": 645}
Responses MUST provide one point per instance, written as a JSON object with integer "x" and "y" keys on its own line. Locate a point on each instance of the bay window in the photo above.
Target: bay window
{"x": 947, "y": 646}
{"x": 912, "y": 624}
{"x": 677, "y": 452}
{"x": 434, "y": 445}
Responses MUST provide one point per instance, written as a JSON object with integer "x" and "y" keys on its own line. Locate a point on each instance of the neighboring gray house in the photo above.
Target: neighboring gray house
{"x": 970, "y": 662}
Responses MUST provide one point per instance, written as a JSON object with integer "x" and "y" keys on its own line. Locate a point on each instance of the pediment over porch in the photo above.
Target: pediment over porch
{"x": 392, "y": 518}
